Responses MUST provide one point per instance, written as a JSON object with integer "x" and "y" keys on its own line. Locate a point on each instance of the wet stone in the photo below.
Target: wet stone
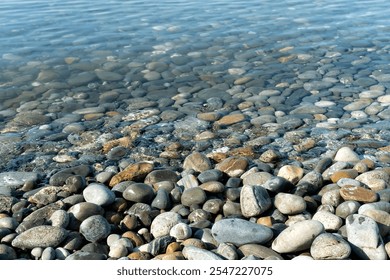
{"x": 14, "y": 178}
{"x": 233, "y": 166}
{"x": 210, "y": 175}
{"x": 240, "y": 232}
{"x": 197, "y": 162}
{"x": 98, "y": 194}
{"x": 139, "y": 192}
{"x": 7, "y": 252}
{"x": 59, "y": 178}
{"x": 133, "y": 172}
{"x": 192, "y": 196}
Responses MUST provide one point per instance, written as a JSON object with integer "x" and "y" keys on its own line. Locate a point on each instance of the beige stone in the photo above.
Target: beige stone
{"x": 358, "y": 194}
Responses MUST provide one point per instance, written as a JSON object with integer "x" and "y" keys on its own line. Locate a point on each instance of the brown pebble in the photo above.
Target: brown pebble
{"x": 129, "y": 222}
{"x": 209, "y": 116}
{"x": 134, "y": 238}
{"x": 133, "y": 172}
{"x": 170, "y": 257}
{"x": 266, "y": 221}
{"x": 233, "y": 166}
{"x": 173, "y": 247}
{"x": 358, "y": 194}
{"x": 243, "y": 152}
{"x": 139, "y": 256}
{"x": 194, "y": 242}
{"x": 344, "y": 173}
{"x": 270, "y": 156}
{"x": 230, "y": 119}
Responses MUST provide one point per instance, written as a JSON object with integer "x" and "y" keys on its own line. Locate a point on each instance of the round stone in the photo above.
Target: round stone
{"x": 195, "y": 253}
{"x": 9, "y": 223}
{"x": 181, "y": 231}
{"x": 60, "y": 218}
{"x": 98, "y": 194}
{"x": 163, "y": 223}
{"x": 347, "y": 208}
{"x": 358, "y": 194}
{"x": 239, "y": 232}
{"x": 197, "y": 162}
{"x": 297, "y": 237}
{"x": 213, "y": 187}
{"x": 7, "y": 252}
{"x": 233, "y": 166}
{"x": 139, "y": 192}
{"x": 291, "y": 173}
{"x": 162, "y": 200}
{"x": 193, "y": 196}
{"x": 259, "y": 251}
{"x": 328, "y": 246}
{"x": 330, "y": 221}
{"x": 346, "y": 154}
{"x": 95, "y": 228}
{"x": 210, "y": 175}
{"x": 254, "y": 200}
{"x": 83, "y": 210}
{"x": 290, "y": 204}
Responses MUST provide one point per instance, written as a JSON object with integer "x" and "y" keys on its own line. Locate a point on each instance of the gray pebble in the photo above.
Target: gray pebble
{"x": 40, "y": 236}
{"x": 181, "y": 231}
{"x": 195, "y": 253}
{"x": 347, "y": 208}
{"x": 48, "y": 254}
{"x": 98, "y": 194}
{"x": 254, "y": 200}
{"x": 163, "y": 223}
{"x": 240, "y": 232}
{"x": 289, "y": 204}
{"x": 193, "y": 196}
{"x": 139, "y": 192}
{"x": 59, "y": 218}
{"x": 95, "y": 228}
{"x": 328, "y": 246}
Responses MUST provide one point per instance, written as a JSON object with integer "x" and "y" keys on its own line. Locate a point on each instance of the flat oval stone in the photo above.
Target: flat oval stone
{"x": 259, "y": 251}
{"x": 163, "y": 223}
{"x": 210, "y": 175}
{"x": 297, "y": 237}
{"x": 83, "y": 210}
{"x": 59, "y": 218}
{"x": 347, "y": 208}
{"x": 95, "y": 228}
{"x": 195, "y": 253}
{"x": 233, "y": 166}
{"x": 7, "y": 252}
{"x": 98, "y": 194}
{"x": 254, "y": 200}
{"x": 213, "y": 187}
{"x": 82, "y": 255}
{"x": 239, "y": 232}
{"x": 40, "y": 236}
{"x": 228, "y": 251}
{"x": 161, "y": 175}
{"x": 291, "y": 173}
{"x": 358, "y": 194}
{"x": 193, "y": 196}
{"x": 363, "y": 234}
{"x": 328, "y": 246}
{"x": 382, "y": 218}
{"x": 139, "y": 192}
{"x": 181, "y": 231}
{"x": 133, "y": 172}
{"x": 289, "y": 204}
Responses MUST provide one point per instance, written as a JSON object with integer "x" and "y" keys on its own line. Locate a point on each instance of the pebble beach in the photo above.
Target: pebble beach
{"x": 246, "y": 135}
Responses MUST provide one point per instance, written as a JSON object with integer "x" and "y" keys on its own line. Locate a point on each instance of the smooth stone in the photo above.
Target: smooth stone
{"x": 59, "y": 178}
{"x": 195, "y": 253}
{"x": 382, "y": 219}
{"x": 213, "y": 206}
{"x": 230, "y": 119}
{"x": 297, "y": 237}
{"x": 254, "y": 200}
{"x": 359, "y": 194}
{"x": 347, "y": 208}
{"x": 231, "y": 209}
{"x": 163, "y": 223}
{"x": 227, "y": 251}
{"x": 333, "y": 168}
{"x": 6, "y": 203}
{"x": 193, "y": 196}
{"x": 139, "y": 192}
{"x": 95, "y": 228}
{"x": 380, "y": 205}
{"x": 346, "y": 154}
{"x": 328, "y": 246}
{"x": 259, "y": 251}
{"x": 197, "y": 162}
{"x": 375, "y": 179}
{"x": 277, "y": 184}
{"x": 213, "y": 187}
{"x": 98, "y": 194}
{"x": 7, "y": 252}
{"x": 48, "y": 254}
{"x": 210, "y": 175}
{"x": 60, "y": 218}
{"x": 81, "y": 211}
{"x": 133, "y": 172}
{"x": 239, "y": 232}
{"x": 61, "y": 253}
{"x": 345, "y": 173}
{"x": 181, "y": 231}
{"x": 157, "y": 176}
{"x": 40, "y": 236}
{"x": 156, "y": 246}
{"x": 188, "y": 181}
{"x": 256, "y": 178}
{"x": 162, "y": 200}
{"x": 363, "y": 235}
{"x": 289, "y": 204}
{"x": 8, "y": 223}
{"x": 82, "y": 255}
{"x": 233, "y": 166}
{"x": 291, "y": 173}
{"x": 330, "y": 221}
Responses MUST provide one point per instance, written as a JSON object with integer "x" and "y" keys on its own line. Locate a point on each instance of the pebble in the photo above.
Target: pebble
{"x": 254, "y": 200}
{"x": 7, "y": 252}
{"x": 195, "y": 253}
{"x": 181, "y": 231}
{"x": 363, "y": 234}
{"x": 133, "y": 172}
{"x": 139, "y": 192}
{"x": 233, "y": 166}
{"x": 289, "y": 204}
{"x": 197, "y": 162}
{"x": 95, "y": 228}
{"x": 291, "y": 173}
{"x": 259, "y": 251}
{"x": 98, "y": 194}
{"x": 239, "y": 232}
{"x": 163, "y": 223}
{"x": 359, "y": 194}
{"x": 40, "y": 236}
{"x": 297, "y": 237}
{"x": 330, "y": 221}
{"x": 193, "y": 196}
{"x": 347, "y": 208}
{"x": 14, "y": 178}
{"x": 328, "y": 246}
{"x": 346, "y": 154}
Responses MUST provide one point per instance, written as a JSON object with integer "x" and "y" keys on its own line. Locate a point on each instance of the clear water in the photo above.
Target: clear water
{"x": 42, "y": 31}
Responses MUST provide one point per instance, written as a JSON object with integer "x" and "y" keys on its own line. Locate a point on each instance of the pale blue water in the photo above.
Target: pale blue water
{"x": 41, "y": 29}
